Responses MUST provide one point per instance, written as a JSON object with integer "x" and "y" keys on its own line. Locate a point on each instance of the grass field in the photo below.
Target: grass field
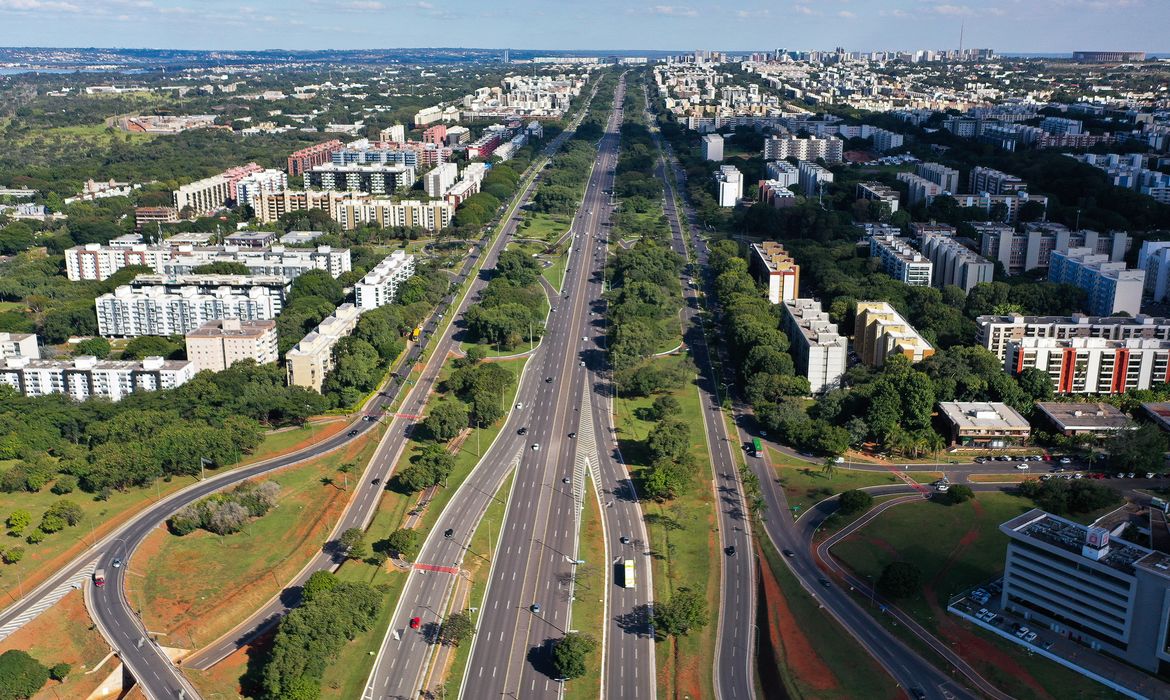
{"x": 89, "y": 134}
{"x": 64, "y": 634}
{"x": 965, "y": 547}
{"x": 589, "y": 594}
{"x": 805, "y": 483}
{"x": 239, "y": 572}
{"x": 482, "y": 550}
{"x": 815, "y": 657}
{"x": 555, "y": 273}
{"x": 288, "y": 440}
{"x": 683, "y": 536}
{"x": 546, "y": 227}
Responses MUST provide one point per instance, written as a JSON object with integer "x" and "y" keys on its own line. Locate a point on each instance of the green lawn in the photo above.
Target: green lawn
{"x": 964, "y": 548}
{"x": 546, "y": 227}
{"x": 683, "y": 537}
{"x": 856, "y": 674}
{"x": 555, "y": 273}
{"x": 285, "y": 440}
{"x": 805, "y": 483}
{"x": 589, "y": 594}
{"x": 481, "y": 551}
{"x": 345, "y": 677}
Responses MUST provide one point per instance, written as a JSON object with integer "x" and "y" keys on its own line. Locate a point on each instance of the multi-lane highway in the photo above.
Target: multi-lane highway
{"x": 111, "y": 611}
{"x": 733, "y": 670}
{"x": 534, "y": 558}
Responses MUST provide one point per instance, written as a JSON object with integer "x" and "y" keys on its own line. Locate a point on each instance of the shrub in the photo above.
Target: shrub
{"x": 854, "y": 501}
{"x": 60, "y": 671}
{"x": 899, "y": 579}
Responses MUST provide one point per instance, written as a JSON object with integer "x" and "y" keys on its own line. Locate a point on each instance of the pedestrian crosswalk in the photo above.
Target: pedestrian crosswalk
{"x": 75, "y": 582}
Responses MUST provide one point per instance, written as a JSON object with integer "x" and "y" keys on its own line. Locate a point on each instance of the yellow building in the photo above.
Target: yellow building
{"x": 880, "y": 332}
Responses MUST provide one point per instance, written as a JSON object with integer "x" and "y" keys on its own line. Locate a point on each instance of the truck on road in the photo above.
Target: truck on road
{"x": 99, "y": 577}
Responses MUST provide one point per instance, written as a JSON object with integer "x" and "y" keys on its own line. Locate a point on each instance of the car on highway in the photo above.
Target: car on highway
{"x": 449, "y": 533}
{"x": 415, "y": 623}
{"x": 624, "y": 540}
{"x": 918, "y": 693}
{"x": 519, "y": 406}
{"x": 1022, "y": 466}
{"x": 825, "y": 582}
{"x": 535, "y": 607}
{"x": 582, "y": 363}
{"x": 1065, "y": 460}
{"x": 572, "y": 435}
{"x": 377, "y": 480}
{"x": 522, "y": 431}
{"x": 117, "y": 564}
{"x": 536, "y": 447}
{"x": 548, "y": 380}
{"x": 729, "y": 550}
{"x": 352, "y": 433}
{"x": 789, "y": 553}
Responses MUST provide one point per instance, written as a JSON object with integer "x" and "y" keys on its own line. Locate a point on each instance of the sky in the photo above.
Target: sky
{"x": 1011, "y": 26}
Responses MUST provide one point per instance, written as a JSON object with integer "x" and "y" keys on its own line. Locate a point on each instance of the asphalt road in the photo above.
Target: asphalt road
{"x": 908, "y": 668}
{"x": 533, "y": 558}
{"x": 121, "y": 625}
{"x": 734, "y": 677}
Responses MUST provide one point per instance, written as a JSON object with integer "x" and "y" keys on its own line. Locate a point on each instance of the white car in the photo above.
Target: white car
{"x": 1030, "y": 637}
{"x": 536, "y": 447}
{"x": 1022, "y": 466}
{"x": 519, "y": 406}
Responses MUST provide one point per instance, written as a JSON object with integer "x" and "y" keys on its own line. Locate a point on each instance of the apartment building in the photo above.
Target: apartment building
{"x": 946, "y": 178}
{"x": 96, "y": 262}
{"x": 153, "y": 216}
{"x": 712, "y": 147}
{"x": 997, "y": 333}
{"x": 954, "y": 264}
{"x": 880, "y": 332}
{"x": 1088, "y": 584}
{"x": 217, "y": 345}
{"x": 774, "y": 268}
{"x": 278, "y": 261}
{"x": 270, "y": 207}
{"x": 385, "y": 213}
{"x": 1031, "y": 249}
{"x": 299, "y": 162}
{"x": 275, "y": 286}
{"x": 373, "y": 177}
{"x": 900, "y": 260}
{"x": 884, "y": 140}
{"x": 251, "y": 239}
{"x": 1093, "y": 365}
{"x": 993, "y": 181}
{"x": 829, "y": 148}
{"x": 983, "y": 424}
{"x": 1111, "y": 287}
{"x": 380, "y": 285}
{"x": 396, "y": 133}
{"x": 439, "y": 180}
{"x": 312, "y": 358}
{"x": 127, "y": 312}
{"x": 812, "y": 178}
{"x": 877, "y": 192}
{"x": 204, "y": 196}
{"x": 367, "y": 155}
{"x": 86, "y": 377}
{"x": 1154, "y": 260}
{"x": 818, "y": 350}
{"x": 1062, "y": 125}
{"x": 783, "y": 172}
{"x": 775, "y": 194}
{"x": 919, "y": 189}
{"x": 251, "y": 188}
{"x": 19, "y": 345}
{"x": 730, "y": 182}
{"x": 1003, "y": 207}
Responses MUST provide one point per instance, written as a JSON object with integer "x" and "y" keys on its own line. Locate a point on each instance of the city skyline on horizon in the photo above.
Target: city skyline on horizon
{"x": 1007, "y": 26}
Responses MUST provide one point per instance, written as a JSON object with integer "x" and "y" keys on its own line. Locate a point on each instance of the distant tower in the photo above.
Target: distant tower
{"x": 962, "y": 27}
{"x": 507, "y": 58}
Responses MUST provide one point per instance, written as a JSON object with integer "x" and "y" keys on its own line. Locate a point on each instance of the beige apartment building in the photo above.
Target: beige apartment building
{"x": 217, "y": 345}
{"x": 312, "y": 358}
{"x": 880, "y": 332}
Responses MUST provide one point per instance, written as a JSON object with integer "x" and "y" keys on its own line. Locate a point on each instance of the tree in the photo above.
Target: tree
{"x": 853, "y": 501}
{"x": 899, "y": 579}
{"x": 959, "y": 493}
{"x": 570, "y": 652}
{"x": 60, "y": 671}
{"x": 446, "y": 419}
{"x": 151, "y": 346}
{"x": 318, "y": 584}
{"x": 669, "y": 439}
{"x": 665, "y": 406}
{"x": 318, "y": 283}
{"x": 18, "y": 520}
{"x": 98, "y": 347}
{"x": 21, "y": 676}
{"x": 13, "y": 554}
{"x": 1140, "y": 450}
{"x": 456, "y": 629}
{"x": 404, "y": 542}
{"x": 685, "y": 612}
{"x": 1036, "y": 383}
{"x": 353, "y": 543}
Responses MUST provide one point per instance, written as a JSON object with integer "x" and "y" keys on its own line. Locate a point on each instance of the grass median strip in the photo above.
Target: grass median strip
{"x": 589, "y": 594}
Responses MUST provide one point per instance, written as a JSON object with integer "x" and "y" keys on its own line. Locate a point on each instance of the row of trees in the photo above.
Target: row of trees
{"x": 511, "y": 308}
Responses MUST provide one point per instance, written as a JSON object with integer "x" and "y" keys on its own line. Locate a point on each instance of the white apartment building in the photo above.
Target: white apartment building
{"x": 1020, "y": 252}
{"x": 830, "y": 148}
{"x": 954, "y": 264}
{"x": 946, "y": 178}
{"x": 994, "y": 181}
{"x": 1112, "y": 288}
{"x": 713, "y": 147}
{"x": 251, "y": 188}
{"x": 876, "y": 191}
{"x": 275, "y": 286}
{"x": 128, "y": 312}
{"x": 217, "y": 345}
{"x": 278, "y": 261}
{"x": 439, "y": 180}
{"x": 783, "y": 172}
{"x": 900, "y": 260}
{"x": 996, "y": 333}
{"x": 1008, "y": 204}
{"x": 395, "y": 133}
{"x": 730, "y": 185}
{"x": 204, "y": 196}
{"x": 19, "y": 345}
{"x": 380, "y": 285}
{"x": 1093, "y": 365}
{"x": 94, "y": 261}
{"x": 921, "y": 190}
{"x": 818, "y": 349}
{"x": 1154, "y": 259}
{"x": 86, "y": 376}
{"x": 312, "y": 358}
{"x": 385, "y": 213}
{"x": 774, "y": 268}
{"x": 812, "y": 178}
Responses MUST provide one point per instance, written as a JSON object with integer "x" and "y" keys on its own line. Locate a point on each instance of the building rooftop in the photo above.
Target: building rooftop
{"x": 1159, "y": 411}
{"x": 774, "y": 256}
{"x": 1085, "y": 416}
{"x": 983, "y": 415}
{"x": 194, "y": 280}
{"x": 233, "y": 328}
{"x": 300, "y": 237}
{"x": 1079, "y": 319}
{"x": 244, "y": 236}
{"x": 814, "y": 323}
{"x": 1071, "y": 537}
{"x": 89, "y": 362}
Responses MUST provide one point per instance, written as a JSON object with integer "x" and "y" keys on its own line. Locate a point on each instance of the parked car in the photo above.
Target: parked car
{"x": 1030, "y": 637}
{"x": 1065, "y": 460}
{"x": 1021, "y": 465}
{"x": 1022, "y": 632}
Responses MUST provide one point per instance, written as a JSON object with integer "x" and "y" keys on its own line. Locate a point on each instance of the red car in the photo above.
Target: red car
{"x": 415, "y": 622}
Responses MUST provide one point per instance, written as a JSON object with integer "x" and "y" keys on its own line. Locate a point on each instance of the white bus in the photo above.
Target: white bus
{"x": 629, "y": 578}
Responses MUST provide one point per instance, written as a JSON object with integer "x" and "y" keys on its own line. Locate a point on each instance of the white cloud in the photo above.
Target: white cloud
{"x": 951, "y": 10}
{"x": 673, "y": 11}
{"x": 38, "y": 5}
{"x": 804, "y": 10}
{"x": 846, "y": 14}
